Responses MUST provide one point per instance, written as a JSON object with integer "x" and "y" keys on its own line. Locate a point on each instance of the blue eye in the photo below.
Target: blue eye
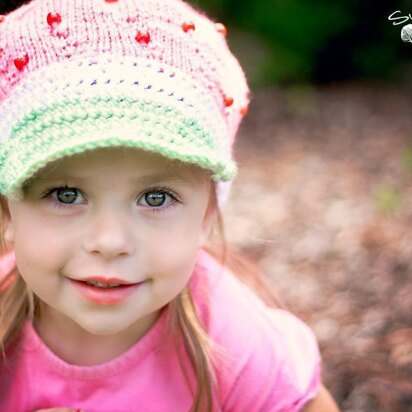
{"x": 155, "y": 199}
{"x": 158, "y": 199}
{"x": 66, "y": 195}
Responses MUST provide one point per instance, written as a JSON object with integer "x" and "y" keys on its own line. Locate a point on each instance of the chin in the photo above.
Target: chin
{"x": 102, "y": 327}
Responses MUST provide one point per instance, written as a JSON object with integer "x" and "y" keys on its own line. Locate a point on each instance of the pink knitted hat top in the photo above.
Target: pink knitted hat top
{"x": 82, "y": 74}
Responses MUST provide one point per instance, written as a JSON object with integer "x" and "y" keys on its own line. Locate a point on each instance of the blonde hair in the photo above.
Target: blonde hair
{"x": 18, "y": 303}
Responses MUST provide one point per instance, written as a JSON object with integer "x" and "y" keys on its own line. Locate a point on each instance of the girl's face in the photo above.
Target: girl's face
{"x": 113, "y": 213}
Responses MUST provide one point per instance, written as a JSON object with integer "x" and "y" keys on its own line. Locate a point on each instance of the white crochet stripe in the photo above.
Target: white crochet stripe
{"x": 76, "y": 78}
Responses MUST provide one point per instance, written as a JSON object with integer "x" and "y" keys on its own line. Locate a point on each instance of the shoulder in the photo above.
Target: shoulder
{"x": 270, "y": 353}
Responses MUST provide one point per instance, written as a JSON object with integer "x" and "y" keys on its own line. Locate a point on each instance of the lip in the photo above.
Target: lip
{"x": 109, "y": 296}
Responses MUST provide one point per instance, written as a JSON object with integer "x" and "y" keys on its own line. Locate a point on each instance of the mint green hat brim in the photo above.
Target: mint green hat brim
{"x": 74, "y": 126}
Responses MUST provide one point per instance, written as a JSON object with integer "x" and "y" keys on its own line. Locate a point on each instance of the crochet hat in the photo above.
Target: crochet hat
{"x": 82, "y": 74}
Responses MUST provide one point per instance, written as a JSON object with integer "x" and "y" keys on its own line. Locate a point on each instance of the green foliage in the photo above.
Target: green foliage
{"x": 406, "y": 160}
{"x": 315, "y": 40}
{"x": 388, "y": 199}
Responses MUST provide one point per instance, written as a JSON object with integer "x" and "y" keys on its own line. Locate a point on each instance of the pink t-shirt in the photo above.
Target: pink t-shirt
{"x": 272, "y": 361}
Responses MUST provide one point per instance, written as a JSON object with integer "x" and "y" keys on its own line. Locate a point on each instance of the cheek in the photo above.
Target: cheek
{"x": 173, "y": 251}
{"x": 174, "y": 246}
{"x": 182, "y": 232}
{"x": 38, "y": 245}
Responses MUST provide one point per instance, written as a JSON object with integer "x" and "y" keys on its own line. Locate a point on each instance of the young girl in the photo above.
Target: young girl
{"x": 117, "y": 119}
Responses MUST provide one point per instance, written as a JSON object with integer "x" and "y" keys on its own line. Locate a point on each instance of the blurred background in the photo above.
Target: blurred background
{"x": 323, "y": 200}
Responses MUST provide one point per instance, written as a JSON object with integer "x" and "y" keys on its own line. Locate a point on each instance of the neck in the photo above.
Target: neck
{"x": 74, "y": 345}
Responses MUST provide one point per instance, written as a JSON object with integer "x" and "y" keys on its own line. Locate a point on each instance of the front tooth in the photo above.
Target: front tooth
{"x": 103, "y": 285}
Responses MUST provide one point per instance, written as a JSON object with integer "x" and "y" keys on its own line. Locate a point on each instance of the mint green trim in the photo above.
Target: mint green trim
{"x": 73, "y": 126}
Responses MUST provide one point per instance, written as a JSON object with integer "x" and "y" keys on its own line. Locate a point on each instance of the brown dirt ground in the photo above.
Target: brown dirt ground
{"x": 323, "y": 202}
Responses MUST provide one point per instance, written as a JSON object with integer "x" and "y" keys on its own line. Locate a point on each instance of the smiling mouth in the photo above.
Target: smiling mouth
{"x": 104, "y": 282}
{"x": 102, "y": 285}
{"x": 106, "y": 294}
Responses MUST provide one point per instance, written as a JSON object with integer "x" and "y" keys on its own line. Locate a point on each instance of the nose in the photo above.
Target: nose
{"x": 109, "y": 235}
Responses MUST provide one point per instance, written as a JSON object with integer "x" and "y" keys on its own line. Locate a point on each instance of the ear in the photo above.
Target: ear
{"x": 6, "y": 224}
